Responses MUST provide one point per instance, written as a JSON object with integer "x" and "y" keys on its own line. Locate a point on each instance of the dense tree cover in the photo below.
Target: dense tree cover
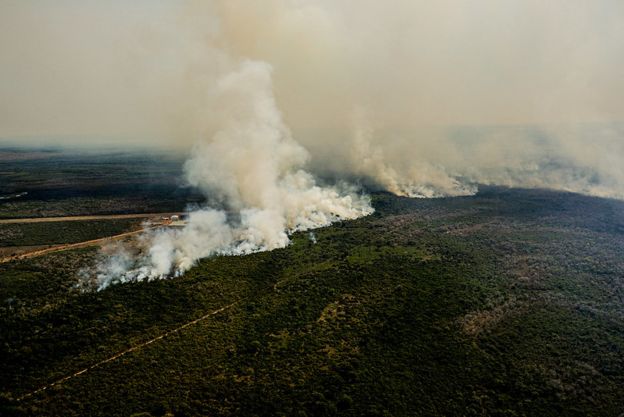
{"x": 506, "y": 303}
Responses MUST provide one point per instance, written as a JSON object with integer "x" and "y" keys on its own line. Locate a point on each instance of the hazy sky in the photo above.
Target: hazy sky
{"x": 144, "y": 70}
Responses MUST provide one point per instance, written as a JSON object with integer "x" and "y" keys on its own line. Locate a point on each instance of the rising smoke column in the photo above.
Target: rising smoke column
{"x": 455, "y": 161}
{"x": 411, "y": 175}
{"x": 254, "y": 166}
{"x": 503, "y": 67}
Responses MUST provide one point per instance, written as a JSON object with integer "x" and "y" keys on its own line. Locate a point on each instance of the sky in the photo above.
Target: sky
{"x": 285, "y": 108}
{"x": 143, "y": 72}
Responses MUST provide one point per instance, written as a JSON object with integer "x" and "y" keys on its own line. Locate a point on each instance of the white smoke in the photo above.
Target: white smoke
{"x": 583, "y": 159}
{"x": 253, "y": 165}
{"x": 414, "y": 65}
{"x": 454, "y": 162}
{"x": 417, "y": 177}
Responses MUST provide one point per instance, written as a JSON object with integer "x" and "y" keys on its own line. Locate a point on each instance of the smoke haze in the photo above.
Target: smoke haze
{"x": 423, "y": 99}
{"x": 72, "y": 67}
{"x": 254, "y": 167}
{"x": 392, "y": 80}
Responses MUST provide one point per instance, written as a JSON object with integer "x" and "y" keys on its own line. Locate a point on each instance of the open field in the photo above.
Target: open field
{"x": 506, "y": 303}
{"x": 69, "y": 246}
{"x": 58, "y": 183}
{"x": 54, "y": 233}
{"x": 28, "y": 238}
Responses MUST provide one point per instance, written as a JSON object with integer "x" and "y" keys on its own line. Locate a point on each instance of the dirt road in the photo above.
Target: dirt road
{"x": 125, "y": 352}
{"x": 90, "y": 217}
{"x": 57, "y": 248}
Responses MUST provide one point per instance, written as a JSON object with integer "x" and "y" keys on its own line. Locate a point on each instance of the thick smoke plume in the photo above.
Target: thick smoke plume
{"x": 454, "y": 162}
{"x": 376, "y": 90}
{"x": 423, "y": 99}
{"x": 254, "y": 166}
